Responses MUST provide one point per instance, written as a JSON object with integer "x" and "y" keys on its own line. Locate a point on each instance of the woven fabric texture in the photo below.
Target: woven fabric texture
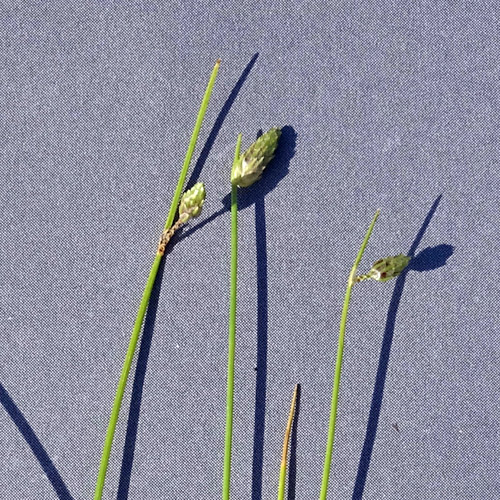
{"x": 383, "y": 104}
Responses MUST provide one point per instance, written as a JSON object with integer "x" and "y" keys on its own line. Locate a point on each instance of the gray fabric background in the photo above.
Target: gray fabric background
{"x": 386, "y": 104}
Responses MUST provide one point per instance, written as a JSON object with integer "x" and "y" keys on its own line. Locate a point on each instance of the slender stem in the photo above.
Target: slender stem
{"x": 281, "y": 487}
{"x": 147, "y": 294}
{"x": 232, "y": 334}
{"x": 338, "y": 364}
{"x": 192, "y": 144}
{"x": 123, "y": 378}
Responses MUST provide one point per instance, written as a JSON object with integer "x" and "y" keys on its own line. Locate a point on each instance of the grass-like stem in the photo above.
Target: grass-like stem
{"x": 338, "y": 364}
{"x": 147, "y": 294}
{"x": 226, "y": 480}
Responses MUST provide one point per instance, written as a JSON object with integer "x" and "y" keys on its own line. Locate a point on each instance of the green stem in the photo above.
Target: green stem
{"x": 192, "y": 144}
{"x": 338, "y": 364}
{"x": 147, "y": 294}
{"x": 232, "y": 333}
{"x": 282, "y": 482}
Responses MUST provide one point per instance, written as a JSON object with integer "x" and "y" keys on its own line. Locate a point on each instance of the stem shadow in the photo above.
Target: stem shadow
{"x": 147, "y": 335}
{"x": 36, "y": 446}
{"x": 193, "y": 179}
{"x": 137, "y": 388}
{"x": 385, "y": 351}
{"x": 256, "y": 194}
{"x": 262, "y": 334}
{"x": 246, "y": 197}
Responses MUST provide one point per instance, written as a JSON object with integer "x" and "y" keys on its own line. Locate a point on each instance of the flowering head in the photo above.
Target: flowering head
{"x": 249, "y": 167}
{"x": 386, "y": 269}
{"x": 192, "y": 202}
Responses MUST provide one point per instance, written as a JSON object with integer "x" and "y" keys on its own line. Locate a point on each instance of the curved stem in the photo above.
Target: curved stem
{"x": 281, "y": 487}
{"x": 147, "y": 294}
{"x": 226, "y": 480}
{"x": 338, "y": 364}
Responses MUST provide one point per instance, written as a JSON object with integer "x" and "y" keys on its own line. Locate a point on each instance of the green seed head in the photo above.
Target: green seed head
{"x": 192, "y": 202}
{"x": 386, "y": 269}
{"x": 248, "y": 169}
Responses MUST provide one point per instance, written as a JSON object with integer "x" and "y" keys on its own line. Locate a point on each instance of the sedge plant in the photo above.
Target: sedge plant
{"x": 382, "y": 270}
{"x": 247, "y": 169}
{"x": 189, "y": 207}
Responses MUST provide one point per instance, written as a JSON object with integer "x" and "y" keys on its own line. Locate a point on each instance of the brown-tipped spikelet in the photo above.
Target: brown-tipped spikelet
{"x": 386, "y": 269}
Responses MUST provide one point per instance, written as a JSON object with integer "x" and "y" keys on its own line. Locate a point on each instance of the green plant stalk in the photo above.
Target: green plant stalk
{"x": 338, "y": 364}
{"x": 282, "y": 481}
{"x": 147, "y": 294}
{"x": 226, "y": 479}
